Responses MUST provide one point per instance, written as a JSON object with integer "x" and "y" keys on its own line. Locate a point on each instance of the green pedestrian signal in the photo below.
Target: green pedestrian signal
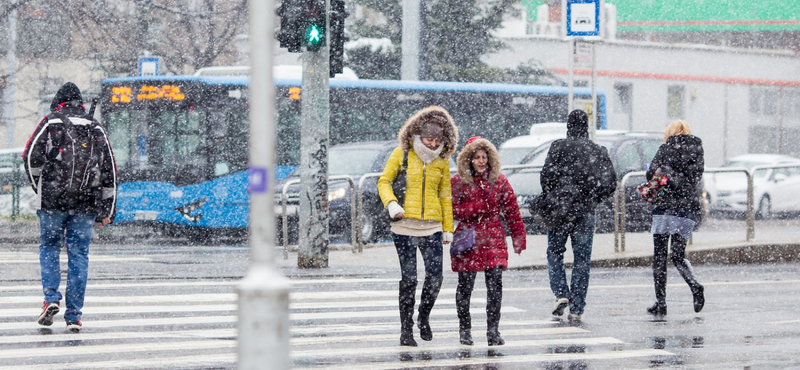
{"x": 314, "y": 35}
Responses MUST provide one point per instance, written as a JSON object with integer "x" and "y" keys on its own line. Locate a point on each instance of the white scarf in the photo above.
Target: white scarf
{"x": 424, "y": 153}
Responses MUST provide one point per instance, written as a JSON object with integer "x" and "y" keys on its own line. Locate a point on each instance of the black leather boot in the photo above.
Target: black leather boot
{"x": 407, "y": 292}
{"x": 430, "y": 290}
{"x": 494, "y": 300}
{"x": 660, "y": 251}
{"x": 466, "y": 281}
{"x": 685, "y": 269}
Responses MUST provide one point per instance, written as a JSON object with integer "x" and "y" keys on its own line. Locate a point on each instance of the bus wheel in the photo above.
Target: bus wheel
{"x": 199, "y": 236}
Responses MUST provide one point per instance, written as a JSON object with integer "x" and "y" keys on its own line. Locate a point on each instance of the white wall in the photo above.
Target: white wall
{"x": 704, "y": 71}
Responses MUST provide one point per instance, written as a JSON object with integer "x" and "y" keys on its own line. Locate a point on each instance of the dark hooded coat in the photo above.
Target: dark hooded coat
{"x": 50, "y": 158}
{"x": 577, "y": 174}
{"x": 483, "y": 201}
{"x": 681, "y": 157}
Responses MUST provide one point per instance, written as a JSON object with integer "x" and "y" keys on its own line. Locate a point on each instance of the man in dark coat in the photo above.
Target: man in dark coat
{"x": 577, "y": 175}
{"x": 70, "y": 165}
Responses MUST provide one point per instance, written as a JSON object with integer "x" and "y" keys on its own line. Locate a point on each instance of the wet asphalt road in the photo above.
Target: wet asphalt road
{"x": 750, "y": 321}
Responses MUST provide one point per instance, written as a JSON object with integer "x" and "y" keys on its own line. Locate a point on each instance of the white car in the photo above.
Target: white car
{"x": 774, "y": 190}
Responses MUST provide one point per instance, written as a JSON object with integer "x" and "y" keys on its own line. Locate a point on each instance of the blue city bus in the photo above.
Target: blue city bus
{"x": 180, "y": 141}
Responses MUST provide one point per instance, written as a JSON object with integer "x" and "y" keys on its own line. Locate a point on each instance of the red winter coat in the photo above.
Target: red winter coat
{"x": 472, "y": 206}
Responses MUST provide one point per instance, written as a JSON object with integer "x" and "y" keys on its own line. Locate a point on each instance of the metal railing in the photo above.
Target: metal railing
{"x": 285, "y": 217}
{"x": 620, "y": 207}
{"x": 360, "y": 207}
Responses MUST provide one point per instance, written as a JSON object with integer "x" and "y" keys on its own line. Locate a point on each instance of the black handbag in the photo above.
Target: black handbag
{"x": 399, "y": 184}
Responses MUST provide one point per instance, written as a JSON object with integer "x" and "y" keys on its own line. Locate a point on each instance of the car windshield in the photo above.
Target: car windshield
{"x": 538, "y": 158}
{"x": 351, "y": 161}
{"x": 512, "y": 156}
{"x": 749, "y": 165}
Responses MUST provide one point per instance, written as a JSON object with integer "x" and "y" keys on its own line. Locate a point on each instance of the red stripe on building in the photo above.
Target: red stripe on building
{"x": 675, "y": 77}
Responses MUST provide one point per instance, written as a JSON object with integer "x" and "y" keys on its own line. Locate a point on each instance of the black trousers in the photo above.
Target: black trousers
{"x": 494, "y": 297}
{"x": 678, "y": 256}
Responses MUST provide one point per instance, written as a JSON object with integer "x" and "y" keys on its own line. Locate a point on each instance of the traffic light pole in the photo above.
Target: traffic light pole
{"x": 263, "y": 338}
{"x": 313, "y": 234}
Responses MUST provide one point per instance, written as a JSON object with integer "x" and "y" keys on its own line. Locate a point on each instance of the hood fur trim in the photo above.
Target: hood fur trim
{"x": 464, "y": 160}
{"x": 436, "y": 114}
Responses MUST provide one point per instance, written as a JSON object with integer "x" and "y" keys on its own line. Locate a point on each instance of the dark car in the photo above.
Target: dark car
{"x": 629, "y": 151}
{"x": 354, "y": 160}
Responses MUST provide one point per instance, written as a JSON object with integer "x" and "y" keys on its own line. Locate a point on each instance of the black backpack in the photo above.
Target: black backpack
{"x": 73, "y": 160}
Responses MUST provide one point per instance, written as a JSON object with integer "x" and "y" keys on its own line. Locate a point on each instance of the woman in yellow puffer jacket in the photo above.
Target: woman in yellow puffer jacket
{"x": 425, "y": 220}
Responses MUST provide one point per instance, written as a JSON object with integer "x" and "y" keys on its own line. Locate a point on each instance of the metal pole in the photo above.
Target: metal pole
{"x": 313, "y": 235}
{"x": 263, "y": 336}
{"x": 593, "y": 127}
{"x": 11, "y": 80}
{"x": 410, "y": 43}
{"x": 751, "y": 223}
{"x": 570, "y": 80}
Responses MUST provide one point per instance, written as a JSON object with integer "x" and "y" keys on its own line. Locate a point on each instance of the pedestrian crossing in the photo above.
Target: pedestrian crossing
{"x": 347, "y": 323}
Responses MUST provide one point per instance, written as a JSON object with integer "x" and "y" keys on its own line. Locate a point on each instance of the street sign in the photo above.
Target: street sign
{"x": 149, "y": 66}
{"x": 583, "y": 56}
{"x": 581, "y": 18}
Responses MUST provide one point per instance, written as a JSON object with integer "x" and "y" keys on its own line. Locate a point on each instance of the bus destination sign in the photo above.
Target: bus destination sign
{"x": 125, "y": 94}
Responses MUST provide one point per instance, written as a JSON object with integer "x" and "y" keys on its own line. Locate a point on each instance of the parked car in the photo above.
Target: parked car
{"x": 629, "y": 152}
{"x": 520, "y": 149}
{"x": 774, "y": 190}
{"x": 354, "y": 160}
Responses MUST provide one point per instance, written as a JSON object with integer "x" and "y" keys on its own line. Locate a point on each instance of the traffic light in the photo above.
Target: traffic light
{"x": 313, "y": 25}
{"x": 302, "y": 24}
{"x": 337, "y": 17}
{"x": 289, "y": 36}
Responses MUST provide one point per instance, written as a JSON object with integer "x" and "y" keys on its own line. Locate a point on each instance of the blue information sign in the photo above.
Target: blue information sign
{"x": 582, "y": 17}
{"x": 149, "y": 66}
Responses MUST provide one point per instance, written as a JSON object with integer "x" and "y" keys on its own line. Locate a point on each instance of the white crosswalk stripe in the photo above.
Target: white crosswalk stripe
{"x": 336, "y": 324}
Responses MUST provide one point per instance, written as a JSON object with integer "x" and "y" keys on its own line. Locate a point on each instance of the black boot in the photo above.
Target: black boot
{"x": 407, "y": 292}
{"x": 657, "y": 309}
{"x": 430, "y": 290}
{"x": 466, "y": 281}
{"x": 698, "y": 295}
{"x": 685, "y": 269}
{"x": 660, "y": 250}
{"x": 494, "y": 300}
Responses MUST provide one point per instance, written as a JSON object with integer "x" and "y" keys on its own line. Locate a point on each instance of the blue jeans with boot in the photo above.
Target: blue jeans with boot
{"x": 581, "y": 233}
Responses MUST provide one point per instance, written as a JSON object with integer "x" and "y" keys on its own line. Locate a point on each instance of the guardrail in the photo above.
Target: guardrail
{"x": 285, "y": 217}
{"x": 620, "y": 209}
{"x": 360, "y": 207}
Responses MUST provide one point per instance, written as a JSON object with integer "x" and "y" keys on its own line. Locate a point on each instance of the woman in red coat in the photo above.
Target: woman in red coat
{"x": 481, "y": 195}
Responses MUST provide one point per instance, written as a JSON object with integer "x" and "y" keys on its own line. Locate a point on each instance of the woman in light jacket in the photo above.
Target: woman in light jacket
{"x": 425, "y": 220}
{"x": 676, "y": 213}
{"x": 482, "y": 197}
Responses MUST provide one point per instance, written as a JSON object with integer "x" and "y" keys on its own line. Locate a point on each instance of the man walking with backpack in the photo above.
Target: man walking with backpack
{"x": 577, "y": 175}
{"x": 71, "y": 167}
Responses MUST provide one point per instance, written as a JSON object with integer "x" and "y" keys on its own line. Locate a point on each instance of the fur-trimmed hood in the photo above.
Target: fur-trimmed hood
{"x": 435, "y": 114}
{"x": 464, "y": 160}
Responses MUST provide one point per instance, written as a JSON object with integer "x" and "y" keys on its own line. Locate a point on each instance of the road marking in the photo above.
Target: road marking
{"x": 393, "y": 326}
{"x": 307, "y": 341}
{"x": 198, "y": 361}
{"x": 73, "y": 351}
{"x": 39, "y": 338}
{"x": 170, "y": 321}
{"x": 462, "y": 362}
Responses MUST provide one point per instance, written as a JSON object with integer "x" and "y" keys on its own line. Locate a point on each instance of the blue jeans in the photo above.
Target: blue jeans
{"x": 56, "y": 229}
{"x": 581, "y": 235}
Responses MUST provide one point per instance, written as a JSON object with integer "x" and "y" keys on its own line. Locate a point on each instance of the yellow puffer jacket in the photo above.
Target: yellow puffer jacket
{"x": 434, "y": 178}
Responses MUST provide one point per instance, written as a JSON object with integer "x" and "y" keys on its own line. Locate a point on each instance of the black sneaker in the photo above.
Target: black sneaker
{"x": 49, "y": 309}
{"x": 559, "y": 307}
{"x": 74, "y": 326}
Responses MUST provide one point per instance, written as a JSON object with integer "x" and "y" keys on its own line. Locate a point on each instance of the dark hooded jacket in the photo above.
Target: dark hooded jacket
{"x": 681, "y": 157}
{"x": 50, "y": 159}
{"x": 577, "y": 174}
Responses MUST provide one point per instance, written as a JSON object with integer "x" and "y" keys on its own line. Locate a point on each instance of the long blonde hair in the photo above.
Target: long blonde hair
{"x": 677, "y": 127}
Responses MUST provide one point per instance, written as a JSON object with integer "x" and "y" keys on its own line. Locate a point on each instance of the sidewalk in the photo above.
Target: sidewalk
{"x": 718, "y": 242}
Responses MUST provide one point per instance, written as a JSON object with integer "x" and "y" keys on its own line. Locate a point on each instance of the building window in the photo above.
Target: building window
{"x": 764, "y": 101}
{"x": 675, "y": 98}
{"x": 624, "y": 101}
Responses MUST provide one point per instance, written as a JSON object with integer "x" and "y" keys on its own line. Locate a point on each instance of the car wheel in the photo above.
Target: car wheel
{"x": 764, "y": 206}
{"x": 369, "y": 228}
